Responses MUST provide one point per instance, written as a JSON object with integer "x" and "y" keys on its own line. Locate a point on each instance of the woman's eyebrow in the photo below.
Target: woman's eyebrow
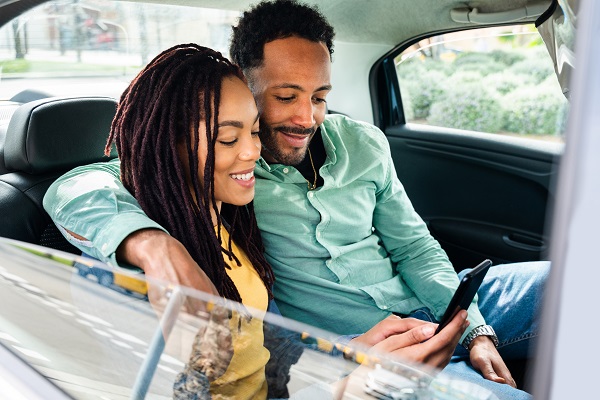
{"x": 234, "y": 123}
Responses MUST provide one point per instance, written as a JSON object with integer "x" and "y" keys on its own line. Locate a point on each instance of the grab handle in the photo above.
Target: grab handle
{"x": 524, "y": 242}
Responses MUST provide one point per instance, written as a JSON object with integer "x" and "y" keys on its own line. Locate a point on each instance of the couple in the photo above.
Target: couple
{"x": 347, "y": 249}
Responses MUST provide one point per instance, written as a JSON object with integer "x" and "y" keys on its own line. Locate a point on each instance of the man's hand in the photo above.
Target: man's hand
{"x": 394, "y": 325}
{"x": 164, "y": 258}
{"x": 485, "y": 359}
{"x": 414, "y": 340}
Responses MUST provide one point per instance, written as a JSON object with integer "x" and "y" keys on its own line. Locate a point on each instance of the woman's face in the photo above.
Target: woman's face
{"x": 237, "y": 147}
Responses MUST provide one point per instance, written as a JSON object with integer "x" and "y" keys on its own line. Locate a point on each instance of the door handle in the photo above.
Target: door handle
{"x": 524, "y": 242}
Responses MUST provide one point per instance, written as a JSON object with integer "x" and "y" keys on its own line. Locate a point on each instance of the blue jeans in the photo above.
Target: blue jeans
{"x": 509, "y": 299}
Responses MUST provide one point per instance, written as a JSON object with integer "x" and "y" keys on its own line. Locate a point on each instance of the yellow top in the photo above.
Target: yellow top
{"x": 245, "y": 375}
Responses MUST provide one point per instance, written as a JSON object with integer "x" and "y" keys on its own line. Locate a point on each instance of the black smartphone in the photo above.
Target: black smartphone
{"x": 464, "y": 294}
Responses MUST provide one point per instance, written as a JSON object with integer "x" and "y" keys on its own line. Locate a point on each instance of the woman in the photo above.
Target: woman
{"x": 186, "y": 132}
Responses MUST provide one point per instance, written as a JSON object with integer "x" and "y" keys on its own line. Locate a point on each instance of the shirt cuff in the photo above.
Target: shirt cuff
{"x": 112, "y": 235}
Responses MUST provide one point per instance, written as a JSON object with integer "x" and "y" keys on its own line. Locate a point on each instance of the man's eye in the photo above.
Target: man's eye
{"x": 228, "y": 143}
{"x": 254, "y": 133}
{"x": 284, "y": 99}
{"x": 319, "y": 100}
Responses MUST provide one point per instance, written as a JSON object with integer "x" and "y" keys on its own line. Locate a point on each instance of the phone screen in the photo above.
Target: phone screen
{"x": 465, "y": 293}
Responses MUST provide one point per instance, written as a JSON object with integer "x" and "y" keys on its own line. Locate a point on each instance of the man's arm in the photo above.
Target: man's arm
{"x": 91, "y": 202}
{"x": 101, "y": 218}
{"x": 418, "y": 257}
{"x": 425, "y": 267}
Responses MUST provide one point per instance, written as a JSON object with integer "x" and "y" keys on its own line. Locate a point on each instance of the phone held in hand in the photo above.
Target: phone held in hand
{"x": 465, "y": 293}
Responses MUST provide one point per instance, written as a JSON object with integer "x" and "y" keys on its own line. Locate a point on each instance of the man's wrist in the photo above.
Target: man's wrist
{"x": 481, "y": 330}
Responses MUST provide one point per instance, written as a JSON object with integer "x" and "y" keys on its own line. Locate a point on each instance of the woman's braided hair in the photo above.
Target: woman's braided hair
{"x": 158, "y": 115}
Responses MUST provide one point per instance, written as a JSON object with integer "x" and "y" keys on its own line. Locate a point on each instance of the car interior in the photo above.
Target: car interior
{"x": 482, "y": 195}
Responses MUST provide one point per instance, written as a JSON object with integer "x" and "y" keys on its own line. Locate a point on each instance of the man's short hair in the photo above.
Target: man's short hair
{"x": 271, "y": 20}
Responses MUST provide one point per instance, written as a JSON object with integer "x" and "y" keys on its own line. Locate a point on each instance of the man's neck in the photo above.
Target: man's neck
{"x": 317, "y": 151}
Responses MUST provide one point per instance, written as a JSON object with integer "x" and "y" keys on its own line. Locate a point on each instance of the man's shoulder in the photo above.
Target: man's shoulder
{"x": 343, "y": 129}
{"x": 341, "y": 121}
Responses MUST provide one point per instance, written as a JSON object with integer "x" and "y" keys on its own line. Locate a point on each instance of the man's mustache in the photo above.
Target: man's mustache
{"x": 294, "y": 131}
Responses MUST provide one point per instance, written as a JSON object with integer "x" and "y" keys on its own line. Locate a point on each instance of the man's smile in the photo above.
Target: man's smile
{"x": 294, "y": 140}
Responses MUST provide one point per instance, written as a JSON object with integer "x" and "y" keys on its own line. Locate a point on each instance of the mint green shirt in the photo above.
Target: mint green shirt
{"x": 345, "y": 256}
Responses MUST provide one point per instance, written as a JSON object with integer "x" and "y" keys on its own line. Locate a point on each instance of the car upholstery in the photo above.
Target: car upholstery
{"x": 44, "y": 139}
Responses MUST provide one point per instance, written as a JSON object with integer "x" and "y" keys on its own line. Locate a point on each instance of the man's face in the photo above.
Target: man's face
{"x": 290, "y": 88}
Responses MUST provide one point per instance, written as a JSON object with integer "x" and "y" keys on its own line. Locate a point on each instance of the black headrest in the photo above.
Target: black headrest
{"x": 28, "y": 95}
{"x": 3, "y": 169}
{"x": 55, "y": 133}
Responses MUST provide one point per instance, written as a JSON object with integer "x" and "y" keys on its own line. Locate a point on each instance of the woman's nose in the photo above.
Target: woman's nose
{"x": 251, "y": 149}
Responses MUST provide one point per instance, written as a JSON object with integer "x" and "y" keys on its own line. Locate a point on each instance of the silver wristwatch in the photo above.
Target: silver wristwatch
{"x": 481, "y": 330}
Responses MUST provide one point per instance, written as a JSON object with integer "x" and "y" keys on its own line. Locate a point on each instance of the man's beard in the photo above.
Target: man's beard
{"x": 268, "y": 139}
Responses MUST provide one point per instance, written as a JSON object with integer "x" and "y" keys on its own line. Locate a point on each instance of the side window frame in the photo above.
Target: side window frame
{"x": 385, "y": 88}
{"x": 384, "y": 83}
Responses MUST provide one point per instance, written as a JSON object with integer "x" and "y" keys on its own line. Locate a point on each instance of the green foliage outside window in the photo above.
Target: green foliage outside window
{"x": 498, "y": 91}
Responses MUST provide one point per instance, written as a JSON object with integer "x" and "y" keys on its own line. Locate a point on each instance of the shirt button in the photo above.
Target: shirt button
{"x": 310, "y": 194}
{"x": 104, "y": 246}
{"x": 286, "y": 170}
{"x": 319, "y": 235}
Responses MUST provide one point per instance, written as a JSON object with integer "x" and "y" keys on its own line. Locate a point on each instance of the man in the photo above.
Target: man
{"x": 346, "y": 246}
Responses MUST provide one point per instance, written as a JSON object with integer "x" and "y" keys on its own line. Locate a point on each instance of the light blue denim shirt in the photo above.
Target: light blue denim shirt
{"x": 345, "y": 255}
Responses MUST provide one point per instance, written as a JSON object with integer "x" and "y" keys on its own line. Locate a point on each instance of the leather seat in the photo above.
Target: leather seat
{"x": 3, "y": 127}
{"x": 44, "y": 139}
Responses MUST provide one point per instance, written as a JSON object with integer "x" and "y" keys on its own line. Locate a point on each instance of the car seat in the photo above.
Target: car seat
{"x": 6, "y": 111}
{"x": 3, "y": 127}
{"x": 44, "y": 139}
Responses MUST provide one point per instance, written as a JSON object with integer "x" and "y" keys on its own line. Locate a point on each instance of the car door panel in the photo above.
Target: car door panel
{"x": 482, "y": 195}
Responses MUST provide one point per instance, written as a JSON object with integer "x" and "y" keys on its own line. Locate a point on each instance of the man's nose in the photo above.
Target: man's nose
{"x": 304, "y": 114}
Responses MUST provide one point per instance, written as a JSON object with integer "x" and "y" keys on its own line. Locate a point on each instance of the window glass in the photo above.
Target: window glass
{"x": 95, "y": 339}
{"x": 499, "y": 80}
{"x": 65, "y": 48}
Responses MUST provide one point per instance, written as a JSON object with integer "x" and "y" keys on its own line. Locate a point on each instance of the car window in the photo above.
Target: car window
{"x": 64, "y": 48}
{"x": 96, "y": 340}
{"x": 497, "y": 80}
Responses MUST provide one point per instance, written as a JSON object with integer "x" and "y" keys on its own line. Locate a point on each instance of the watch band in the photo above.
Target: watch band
{"x": 481, "y": 330}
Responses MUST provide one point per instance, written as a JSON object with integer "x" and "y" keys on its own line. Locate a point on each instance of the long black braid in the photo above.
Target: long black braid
{"x": 158, "y": 114}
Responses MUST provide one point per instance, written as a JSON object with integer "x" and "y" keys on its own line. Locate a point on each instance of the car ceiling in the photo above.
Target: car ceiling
{"x": 358, "y": 21}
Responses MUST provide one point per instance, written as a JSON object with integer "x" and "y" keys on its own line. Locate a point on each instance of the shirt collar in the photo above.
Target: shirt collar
{"x": 328, "y": 143}
{"x": 262, "y": 163}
